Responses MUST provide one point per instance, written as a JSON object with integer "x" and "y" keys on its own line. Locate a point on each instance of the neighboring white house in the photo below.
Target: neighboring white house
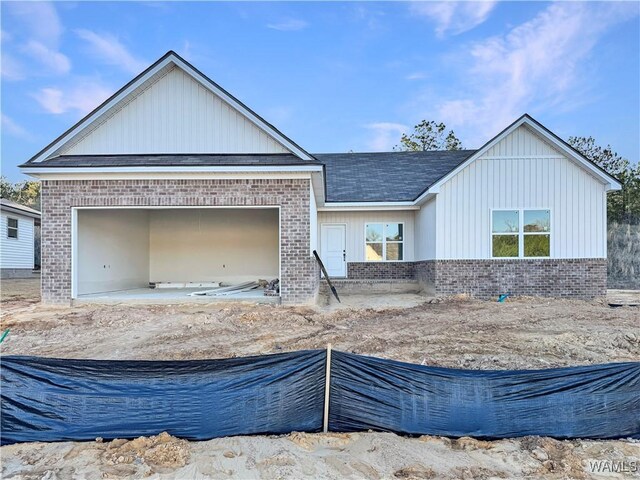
{"x": 17, "y": 248}
{"x": 174, "y": 179}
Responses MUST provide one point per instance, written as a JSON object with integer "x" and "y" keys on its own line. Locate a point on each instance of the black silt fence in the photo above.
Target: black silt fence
{"x": 49, "y": 400}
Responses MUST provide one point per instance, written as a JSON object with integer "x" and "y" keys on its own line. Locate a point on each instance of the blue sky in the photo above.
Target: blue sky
{"x": 335, "y": 76}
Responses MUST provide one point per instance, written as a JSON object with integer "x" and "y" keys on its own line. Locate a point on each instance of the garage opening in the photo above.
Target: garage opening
{"x": 176, "y": 254}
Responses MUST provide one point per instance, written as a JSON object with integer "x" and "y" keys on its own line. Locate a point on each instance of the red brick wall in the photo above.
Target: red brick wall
{"x": 300, "y": 278}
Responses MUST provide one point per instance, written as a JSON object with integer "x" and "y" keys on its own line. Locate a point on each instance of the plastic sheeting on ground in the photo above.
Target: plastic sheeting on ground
{"x": 599, "y": 401}
{"x": 49, "y": 400}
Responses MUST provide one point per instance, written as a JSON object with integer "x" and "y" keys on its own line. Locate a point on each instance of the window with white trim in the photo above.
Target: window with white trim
{"x": 12, "y": 227}
{"x": 384, "y": 242}
{"x": 521, "y": 233}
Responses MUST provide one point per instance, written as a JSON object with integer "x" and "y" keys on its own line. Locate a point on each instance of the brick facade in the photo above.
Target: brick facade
{"x": 381, "y": 270}
{"x": 577, "y": 278}
{"x": 300, "y": 276}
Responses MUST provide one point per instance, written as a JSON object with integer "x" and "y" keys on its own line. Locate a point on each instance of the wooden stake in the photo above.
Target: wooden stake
{"x": 327, "y": 386}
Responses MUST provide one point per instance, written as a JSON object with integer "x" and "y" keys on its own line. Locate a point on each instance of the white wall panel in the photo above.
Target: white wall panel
{"x": 355, "y": 222}
{"x": 17, "y": 252}
{"x": 113, "y": 250}
{"x": 425, "y": 247}
{"x": 521, "y": 181}
{"x": 176, "y": 114}
{"x": 213, "y": 244}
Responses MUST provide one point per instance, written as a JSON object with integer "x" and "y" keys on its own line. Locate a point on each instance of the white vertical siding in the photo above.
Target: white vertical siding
{"x": 522, "y": 142}
{"x": 176, "y": 114}
{"x": 355, "y": 222}
{"x": 425, "y": 248}
{"x": 17, "y": 252}
{"x": 510, "y": 176}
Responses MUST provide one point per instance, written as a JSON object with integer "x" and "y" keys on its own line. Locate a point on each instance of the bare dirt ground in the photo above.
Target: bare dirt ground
{"x": 454, "y": 332}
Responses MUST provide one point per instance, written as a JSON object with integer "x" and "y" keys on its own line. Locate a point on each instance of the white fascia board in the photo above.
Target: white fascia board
{"x": 18, "y": 212}
{"x": 610, "y": 182}
{"x": 361, "y": 206}
{"x": 145, "y": 173}
{"x": 173, "y": 169}
{"x": 101, "y": 111}
{"x": 204, "y": 81}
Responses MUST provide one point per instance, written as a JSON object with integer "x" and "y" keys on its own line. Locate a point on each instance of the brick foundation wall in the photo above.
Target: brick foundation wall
{"x": 573, "y": 278}
{"x": 381, "y": 270}
{"x": 426, "y": 272}
{"x": 576, "y": 278}
{"x": 300, "y": 277}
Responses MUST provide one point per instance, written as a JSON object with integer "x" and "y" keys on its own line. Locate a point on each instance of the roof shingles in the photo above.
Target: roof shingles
{"x": 388, "y": 176}
{"x": 350, "y": 177}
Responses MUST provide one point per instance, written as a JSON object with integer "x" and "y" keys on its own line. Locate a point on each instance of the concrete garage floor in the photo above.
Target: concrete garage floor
{"x": 172, "y": 296}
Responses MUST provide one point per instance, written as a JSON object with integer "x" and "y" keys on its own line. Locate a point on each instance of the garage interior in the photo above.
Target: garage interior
{"x": 121, "y": 252}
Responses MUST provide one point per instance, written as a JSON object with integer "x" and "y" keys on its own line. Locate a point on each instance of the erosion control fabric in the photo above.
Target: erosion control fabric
{"x": 599, "y": 401}
{"x": 52, "y": 400}
{"x": 58, "y": 399}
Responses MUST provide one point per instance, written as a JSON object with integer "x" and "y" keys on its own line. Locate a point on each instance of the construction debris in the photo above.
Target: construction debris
{"x": 184, "y": 284}
{"x": 272, "y": 288}
{"x": 230, "y": 290}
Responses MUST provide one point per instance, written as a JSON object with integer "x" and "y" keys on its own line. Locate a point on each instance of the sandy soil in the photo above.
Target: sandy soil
{"x": 455, "y": 332}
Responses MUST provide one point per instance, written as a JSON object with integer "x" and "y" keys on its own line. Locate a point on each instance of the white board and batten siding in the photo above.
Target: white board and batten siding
{"x": 522, "y": 171}
{"x": 17, "y": 252}
{"x": 175, "y": 114}
{"x": 355, "y": 231}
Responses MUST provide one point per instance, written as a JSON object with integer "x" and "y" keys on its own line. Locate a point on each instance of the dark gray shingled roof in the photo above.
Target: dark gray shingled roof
{"x": 350, "y": 177}
{"x": 172, "y": 160}
{"x": 386, "y": 177}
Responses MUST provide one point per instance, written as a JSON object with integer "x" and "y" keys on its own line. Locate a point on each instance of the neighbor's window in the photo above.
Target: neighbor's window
{"x": 12, "y": 227}
{"x": 521, "y": 233}
{"x": 384, "y": 242}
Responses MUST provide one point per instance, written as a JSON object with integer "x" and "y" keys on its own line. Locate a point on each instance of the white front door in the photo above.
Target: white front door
{"x": 333, "y": 253}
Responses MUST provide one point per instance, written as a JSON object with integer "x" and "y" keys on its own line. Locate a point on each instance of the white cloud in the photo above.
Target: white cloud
{"x": 40, "y": 19}
{"x": 454, "y": 17}
{"x": 109, "y": 49}
{"x": 55, "y": 61}
{"x": 10, "y": 67}
{"x": 12, "y": 128}
{"x": 415, "y": 76}
{"x": 385, "y": 135}
{"x": 38, "y": 36}
{"x": 289, "y": 25}
{"x": 80, "y": 98}
{"x": 536, "y": 65}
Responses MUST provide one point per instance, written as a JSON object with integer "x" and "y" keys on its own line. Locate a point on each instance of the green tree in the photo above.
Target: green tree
{"x": 623, "y": 205}
{"x": 429, "y": 135}
{"x": 26, "y": 192}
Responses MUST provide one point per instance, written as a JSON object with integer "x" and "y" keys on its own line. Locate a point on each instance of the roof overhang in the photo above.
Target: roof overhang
{"x": 20, "y": 211}
{"x": 167, "y": 61}
{"x": 41, "y": 172}
{"x": 359, "y": 206}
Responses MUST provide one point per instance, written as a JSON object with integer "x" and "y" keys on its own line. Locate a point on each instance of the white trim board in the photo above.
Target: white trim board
{"x": 173, "y": 169}
{"x": 74, "y": 231}
{"x": 166, "y": 62}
